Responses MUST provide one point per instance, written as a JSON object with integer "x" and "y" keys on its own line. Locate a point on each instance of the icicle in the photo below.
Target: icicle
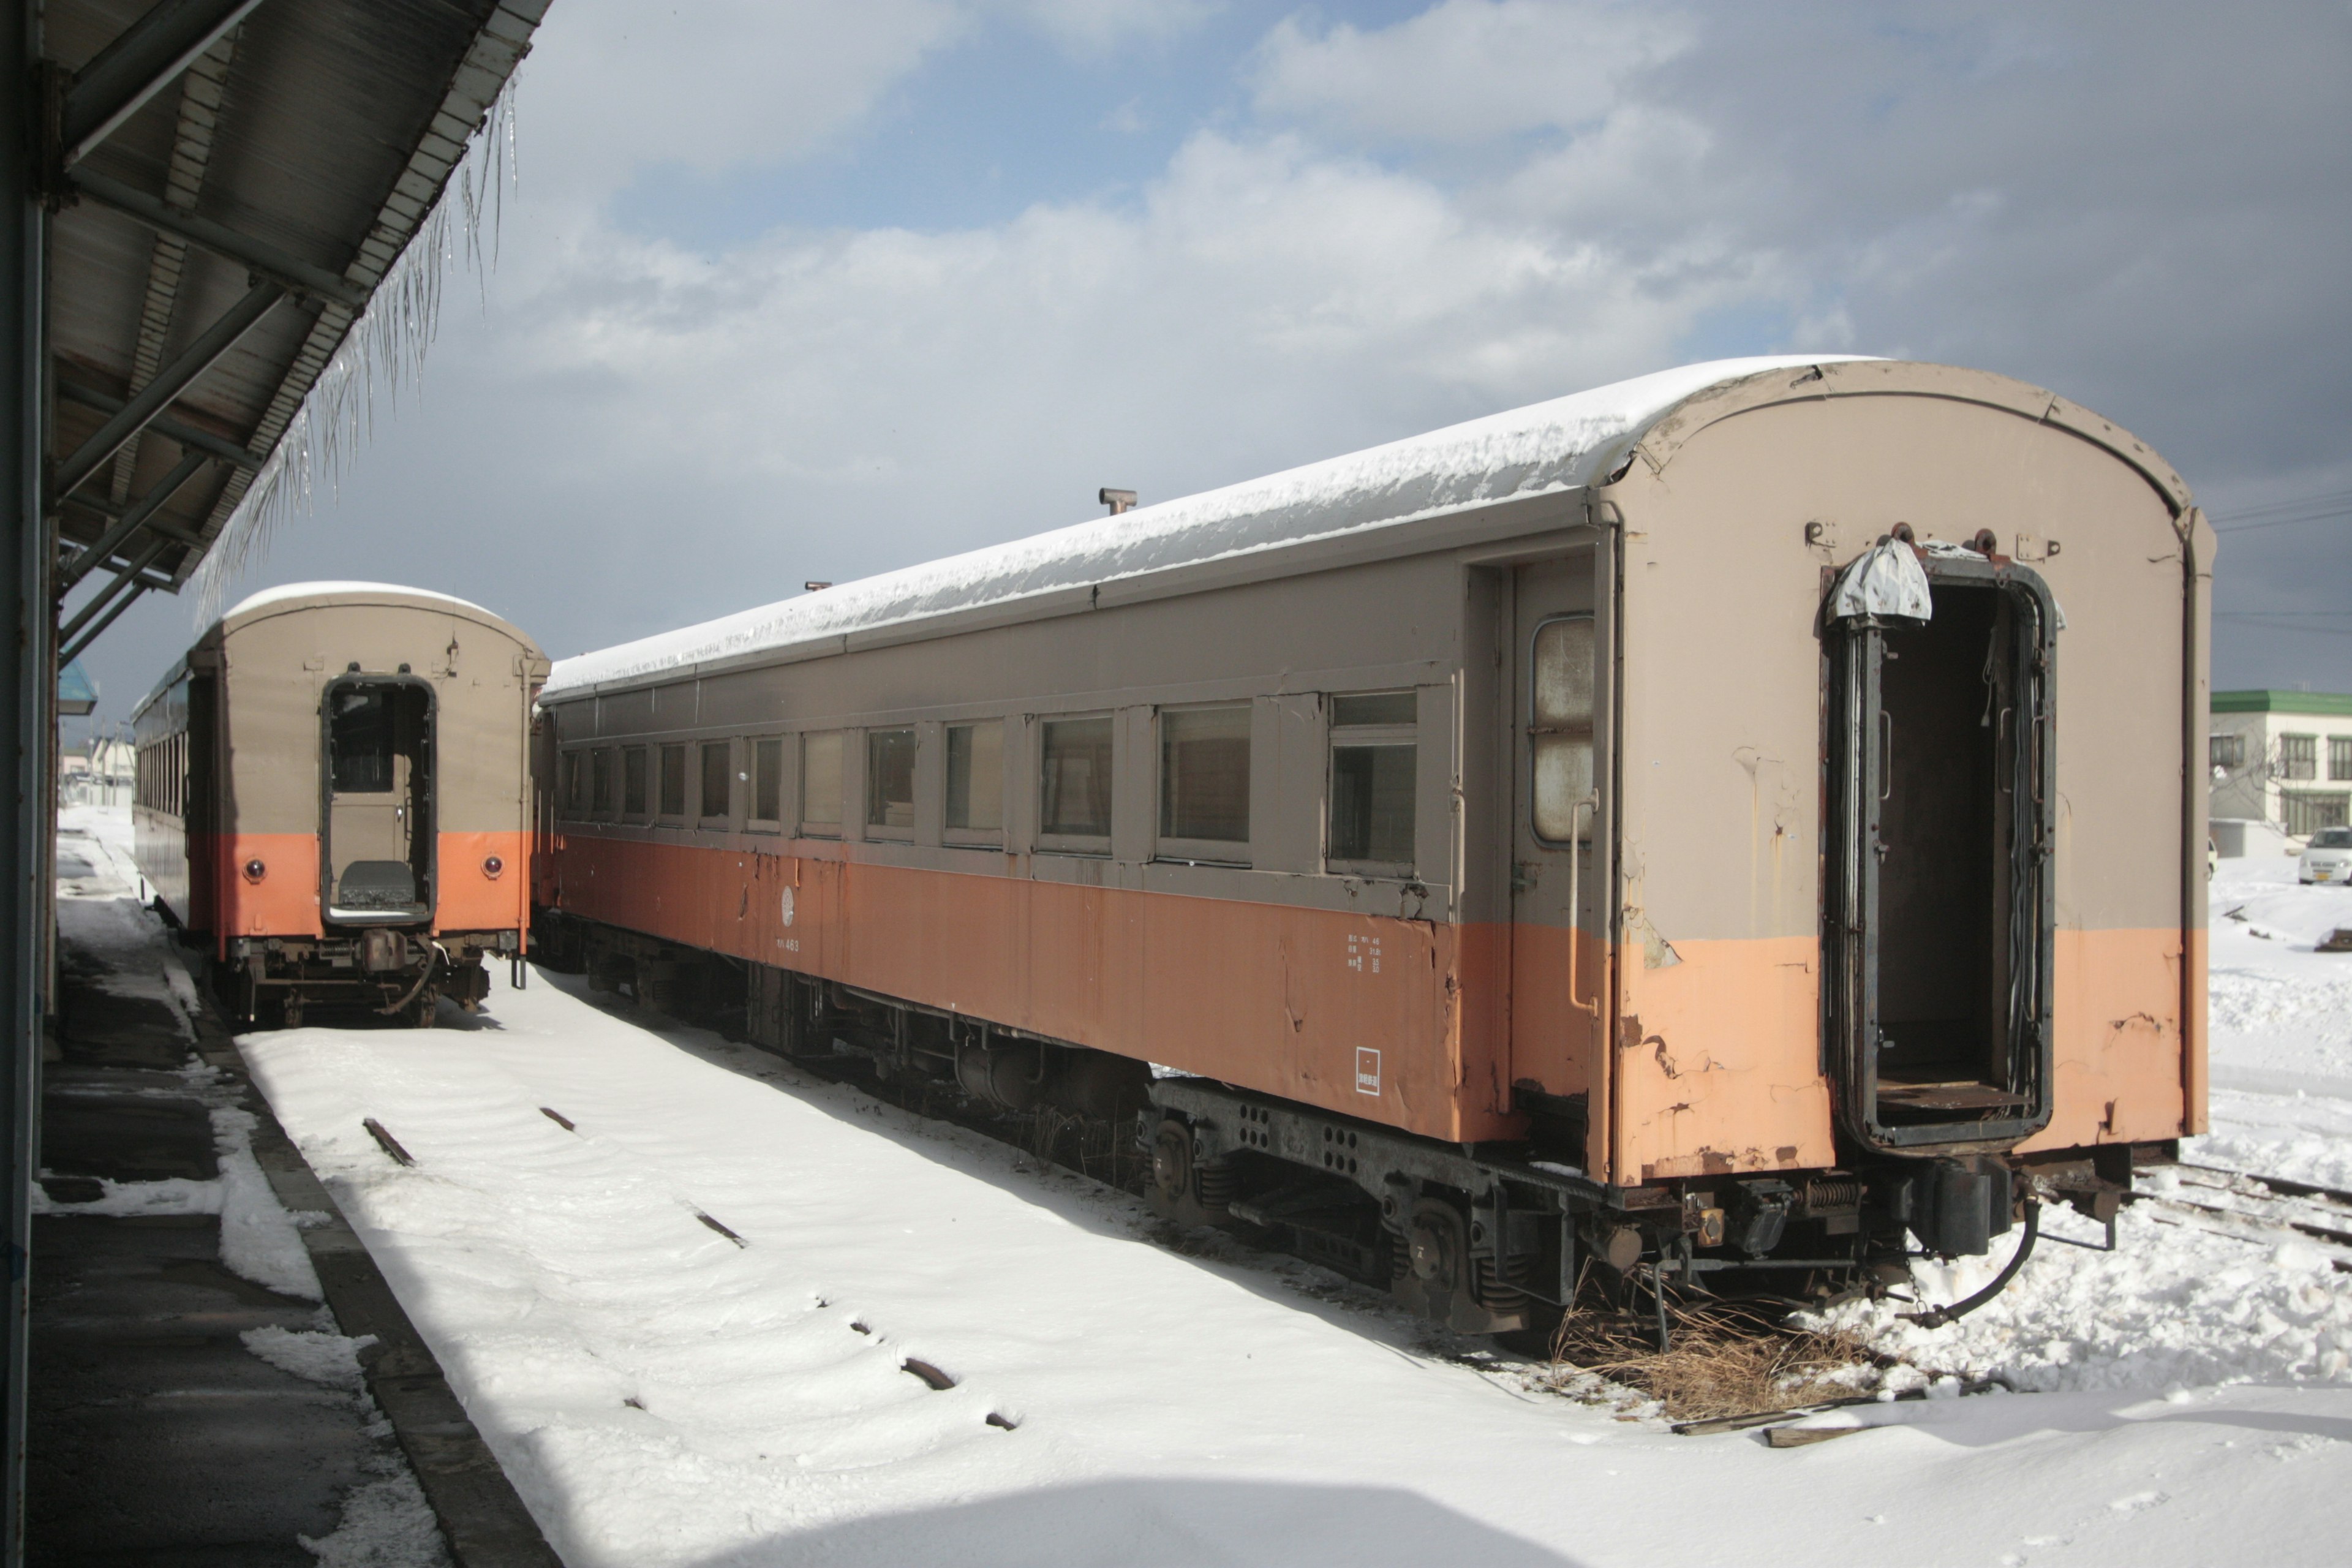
{"x": 387, "y": 345}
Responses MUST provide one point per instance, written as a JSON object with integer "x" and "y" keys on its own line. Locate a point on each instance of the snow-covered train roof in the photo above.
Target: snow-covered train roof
{"x": 285, "y": 593}
{"x": 1564, "y": 444}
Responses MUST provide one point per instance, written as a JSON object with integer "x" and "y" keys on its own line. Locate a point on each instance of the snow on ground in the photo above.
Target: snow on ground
{"x": 662, "y": 1396}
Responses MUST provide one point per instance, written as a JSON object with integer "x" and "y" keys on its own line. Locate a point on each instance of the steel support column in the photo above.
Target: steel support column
{"x": 28, "y": 692}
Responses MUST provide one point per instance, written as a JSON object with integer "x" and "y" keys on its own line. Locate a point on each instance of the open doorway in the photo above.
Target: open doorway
{"x": 1937, "y": 918}
{"x": 376, "y": 829}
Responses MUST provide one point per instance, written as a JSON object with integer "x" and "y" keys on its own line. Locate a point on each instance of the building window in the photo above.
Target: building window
{"x": 2298, "y": 756}
{"x": 1373, "y": 762}
{"x": 2339, "y": 757}
{"x": 976, "y": 777}
{"x": 767, "y": 780}
{"x": 635, "y": 767}
{"x": 673, "y": 781}
{"x": 821, "y": 783}
{"x": 1074, "y": 783}
{"x": 2227, "y": 750}
{"x": 890, "y": 779}
{"x": 2305, "y": 814}
{"x": 1204, "y": 774}
{"x": 1559, "y": 728}
{"x": 718, "y": 762}
{"x": 600, "y": 781}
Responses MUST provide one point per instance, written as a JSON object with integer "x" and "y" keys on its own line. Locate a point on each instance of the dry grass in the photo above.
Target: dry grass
{"x": 1719, "y": 1361}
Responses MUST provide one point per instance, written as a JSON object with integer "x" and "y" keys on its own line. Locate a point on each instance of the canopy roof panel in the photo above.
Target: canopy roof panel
{"x": 236, "y": 222}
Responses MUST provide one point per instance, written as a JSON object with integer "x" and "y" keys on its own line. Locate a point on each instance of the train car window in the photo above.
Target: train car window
{"x": 600, "y": 781}
{"x": 634, "y": 770}
{"x": 673, "y": 781}
{"x": 890, "y": 779}
{"x": 1374, "y": 760}
{"x": 575, "y": 785}
{"x": 360, "y": 739}
{"x": 718, "y": 762}
{"x": 767, "y": 780}
{"x": 976, "y": 777}
{"x": 821, "y": 783}
{"x": 1204, "y": 774}
{"x": 1076, "y": 778}
{"x": 1559, "y": 728}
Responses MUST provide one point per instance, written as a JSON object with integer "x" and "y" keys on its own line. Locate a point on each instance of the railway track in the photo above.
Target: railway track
{"x": 2259, "y": 1209}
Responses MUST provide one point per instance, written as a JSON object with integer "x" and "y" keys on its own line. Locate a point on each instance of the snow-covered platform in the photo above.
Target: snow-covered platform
{"x": 214, "y": 1356}
{"x": 677, "y": 1284}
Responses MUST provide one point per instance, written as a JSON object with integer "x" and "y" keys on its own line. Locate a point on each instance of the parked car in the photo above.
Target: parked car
{"x": 2327, "y": 858}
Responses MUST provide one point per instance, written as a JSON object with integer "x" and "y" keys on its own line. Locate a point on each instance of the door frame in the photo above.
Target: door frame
{"x": 1855, "y": 760}
{"x": 431, "y": 889}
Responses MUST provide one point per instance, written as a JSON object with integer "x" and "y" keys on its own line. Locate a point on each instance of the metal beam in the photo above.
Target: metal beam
{"x": 256, "y": 256}
{"x": 163, "y": 490}
{"x": 104, "y": 621}
{"x": 28, "y": 689}
{"x": 104, "y": 596}
{"x": 165, "y": 426}
{"x": 168, "y": 383}
{"x": 82, "y": 501}
{"x": 148, "y": 57}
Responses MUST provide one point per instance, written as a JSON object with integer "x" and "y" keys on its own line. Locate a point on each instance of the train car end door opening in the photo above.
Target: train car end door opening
{"x": 1938, "y": 908}
{"x": 376, "y": 829}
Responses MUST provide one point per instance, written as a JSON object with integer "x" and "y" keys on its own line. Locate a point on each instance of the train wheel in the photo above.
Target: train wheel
{"x": 424, "y": 1012}
{"x": 290, "y": 1012}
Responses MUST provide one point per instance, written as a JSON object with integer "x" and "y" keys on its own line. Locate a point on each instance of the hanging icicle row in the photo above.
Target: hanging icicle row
{"x": 385, "y": 347}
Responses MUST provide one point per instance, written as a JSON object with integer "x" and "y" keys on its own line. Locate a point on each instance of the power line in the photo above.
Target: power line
{"x": 2288, "y": 513}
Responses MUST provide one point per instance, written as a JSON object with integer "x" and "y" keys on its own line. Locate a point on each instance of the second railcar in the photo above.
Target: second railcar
{"x": 1712, "y": 827}
{"x": 333, "y": 795}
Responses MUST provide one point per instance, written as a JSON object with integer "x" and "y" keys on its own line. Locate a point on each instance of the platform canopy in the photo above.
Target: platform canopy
{"x": 211, "y": 211}
{"x": 231, "y": 181}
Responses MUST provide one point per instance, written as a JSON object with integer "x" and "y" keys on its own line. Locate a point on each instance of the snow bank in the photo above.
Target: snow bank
{"x": 2171, "y": 1307}
{"x": 1564, "y": 444}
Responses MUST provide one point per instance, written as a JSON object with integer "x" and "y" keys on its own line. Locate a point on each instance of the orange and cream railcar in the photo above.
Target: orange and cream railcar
{"x": 1725, "y": 821}
{"x": 333, "y": 794}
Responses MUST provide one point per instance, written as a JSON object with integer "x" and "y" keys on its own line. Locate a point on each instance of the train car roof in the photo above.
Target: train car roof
{"x": 1562, "y": 445}
{"x": 319, "y": 596}
{"x": 290, "y": 596}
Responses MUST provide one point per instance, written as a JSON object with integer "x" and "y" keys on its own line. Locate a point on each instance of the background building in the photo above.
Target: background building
{"x": 2283, "y": 758}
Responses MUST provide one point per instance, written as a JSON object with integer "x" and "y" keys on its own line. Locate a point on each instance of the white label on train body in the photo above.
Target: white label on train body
{"x": 1368, "y": 1070}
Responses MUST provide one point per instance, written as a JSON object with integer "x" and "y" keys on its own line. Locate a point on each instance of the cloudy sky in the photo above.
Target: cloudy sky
{"x": 793, "y": 289}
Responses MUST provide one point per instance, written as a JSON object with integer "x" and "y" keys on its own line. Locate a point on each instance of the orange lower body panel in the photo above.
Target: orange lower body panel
{"x": 1712, "y": 1065}
{"x": 1356, "y": 1014}
{"x": 283, "y": 899}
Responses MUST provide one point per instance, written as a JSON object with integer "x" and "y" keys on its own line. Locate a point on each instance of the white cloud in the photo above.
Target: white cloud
{"x": 1095, "y": 27}
{"x": 614, "y": 87}
{"x": 637, "y": 434}
{"x": 1468, "y": 70}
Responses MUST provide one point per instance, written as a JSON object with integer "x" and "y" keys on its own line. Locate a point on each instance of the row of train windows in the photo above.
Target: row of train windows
{"x": 1203, "y": 781}
{"x": 162, "y": 774}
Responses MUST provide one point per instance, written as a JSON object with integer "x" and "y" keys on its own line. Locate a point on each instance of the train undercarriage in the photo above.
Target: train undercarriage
{"x": 1487, "y": 1238}
{"x": 386, "y": 970}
